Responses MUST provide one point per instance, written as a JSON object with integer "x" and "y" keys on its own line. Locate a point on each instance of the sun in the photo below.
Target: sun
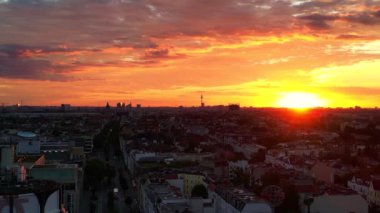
{"x": 300, "y": 100}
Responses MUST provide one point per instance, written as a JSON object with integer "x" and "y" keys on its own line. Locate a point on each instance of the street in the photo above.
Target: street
{"x": 119, "y": 204}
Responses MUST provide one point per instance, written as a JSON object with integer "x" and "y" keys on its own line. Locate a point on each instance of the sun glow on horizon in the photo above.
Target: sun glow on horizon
{"x": 300, "y": 100}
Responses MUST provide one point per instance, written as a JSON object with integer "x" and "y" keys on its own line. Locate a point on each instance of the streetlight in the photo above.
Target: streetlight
{"x": 308, "y": 201}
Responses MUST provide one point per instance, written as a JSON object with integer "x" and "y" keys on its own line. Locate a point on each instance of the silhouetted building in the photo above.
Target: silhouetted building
{"x": 233, "y": 107}
{"x": 65, "y": 107}
{"x": 120, "y": 105}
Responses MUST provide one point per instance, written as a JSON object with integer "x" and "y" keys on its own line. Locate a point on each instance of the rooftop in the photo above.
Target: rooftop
{"x": 27, "y": 158}
{"x": 34, "y": 186}
{"x": 57, "y": 166}
{"x": 237, "y": 197}
{"x": 26, "y": 134}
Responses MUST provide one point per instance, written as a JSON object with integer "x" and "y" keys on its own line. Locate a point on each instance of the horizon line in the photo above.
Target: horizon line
{"x": 197, "y": 106}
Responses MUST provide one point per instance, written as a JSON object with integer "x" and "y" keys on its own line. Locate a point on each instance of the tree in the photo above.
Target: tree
{"x": 238, "y": 156}
{"x": 240, "y": 178}
{"x": 98, "y": 140}
{"x": 291, "y": 201}
{"x": 123, "y": 182}
{"x": 110, "y": 199}
{"x": 270, "y": 178}
{"x": 113, "y": 139}
{"x": 128, "y": 201}
{"x": 95, "y": 171}
{"x": 199, "y": 191}
{"x": 92, "y": 207}
{"x": 110, "y": 170}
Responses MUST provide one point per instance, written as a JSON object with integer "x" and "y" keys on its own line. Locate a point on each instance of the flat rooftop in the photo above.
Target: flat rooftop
{"x": 32, "y": 186}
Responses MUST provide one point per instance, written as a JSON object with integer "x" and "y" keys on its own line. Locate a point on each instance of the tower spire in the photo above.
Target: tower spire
{"x": 202, "y": 103}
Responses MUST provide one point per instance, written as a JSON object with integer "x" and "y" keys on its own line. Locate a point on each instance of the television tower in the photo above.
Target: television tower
{"x": 202, "y": 103}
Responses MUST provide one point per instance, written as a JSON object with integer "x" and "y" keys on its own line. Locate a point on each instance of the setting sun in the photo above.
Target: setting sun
{"x": 300, "y": 100}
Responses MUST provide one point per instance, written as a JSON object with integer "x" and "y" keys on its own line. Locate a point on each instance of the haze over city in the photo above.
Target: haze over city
{"x": 166, "y": 53}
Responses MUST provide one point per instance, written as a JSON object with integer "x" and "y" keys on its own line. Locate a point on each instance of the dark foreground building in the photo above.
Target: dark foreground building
{"x": 36, "y": 196}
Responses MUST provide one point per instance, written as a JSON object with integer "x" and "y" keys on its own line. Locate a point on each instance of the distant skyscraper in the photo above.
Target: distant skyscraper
{"x": 120, "y": 105}
{"x": 65, "y": 107}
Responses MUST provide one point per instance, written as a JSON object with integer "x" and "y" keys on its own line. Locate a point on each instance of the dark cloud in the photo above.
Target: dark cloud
{"x": 377, "y": 14}
{"x": 32, "y": 27}
{"x": 136, "y": 22}
{"x": 145, "y": 45}
{"x": 321, "y": 4}
{"x": 153, "y": 55}
{"x": 318, "y": 17}
{"x": 350, "y": 37}
{"x": 318, "y": 25}
{"x": 317, "y": 14}
{"x": 17, "y": 50}
{"x": 363, "y": 18}
{"x": 17, "y": 61}
{"x": 318, "y": 21}
{"x": 157, "y": 53}
{"x": 21, "y": 68}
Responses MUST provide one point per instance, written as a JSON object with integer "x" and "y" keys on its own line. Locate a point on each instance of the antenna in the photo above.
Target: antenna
{"x": 202, "y": 103}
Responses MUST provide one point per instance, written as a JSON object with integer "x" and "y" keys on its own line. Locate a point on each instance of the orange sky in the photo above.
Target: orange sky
{"x": 165, "y": 53}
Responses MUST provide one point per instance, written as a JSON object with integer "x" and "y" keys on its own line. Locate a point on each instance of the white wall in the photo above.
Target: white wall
{"x": 52, "y": 203}
{"x": 29, "y": 147}
{"x": 28, "y": 203}
{"x": 339, "y": 204}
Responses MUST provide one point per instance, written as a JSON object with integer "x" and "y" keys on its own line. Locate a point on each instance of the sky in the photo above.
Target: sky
{"x": 167, "y": 52}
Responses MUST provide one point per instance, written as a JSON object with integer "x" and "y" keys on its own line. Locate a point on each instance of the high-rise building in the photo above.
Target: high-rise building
{"x": 120, "y": 105}
{"x": 65, "y": 107}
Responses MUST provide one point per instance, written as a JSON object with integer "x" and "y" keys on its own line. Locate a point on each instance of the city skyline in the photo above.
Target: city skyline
{"x": 290, "y": 53}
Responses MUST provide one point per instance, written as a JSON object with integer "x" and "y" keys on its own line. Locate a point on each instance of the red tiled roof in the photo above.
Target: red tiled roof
{"x": 171, "y": 177}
